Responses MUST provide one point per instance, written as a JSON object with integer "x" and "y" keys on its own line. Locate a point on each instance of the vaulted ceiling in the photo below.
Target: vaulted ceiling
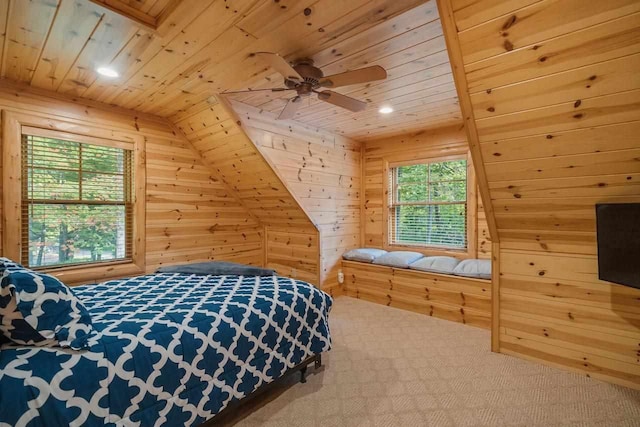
{"x": 175, "y": 54}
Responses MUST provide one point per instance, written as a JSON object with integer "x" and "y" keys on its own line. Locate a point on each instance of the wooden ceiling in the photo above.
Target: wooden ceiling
{"x": 202, "y": 47}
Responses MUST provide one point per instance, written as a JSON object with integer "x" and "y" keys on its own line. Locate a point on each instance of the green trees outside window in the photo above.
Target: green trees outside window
{"x": 428, "y": 204}
{"x": 76, "y": 202}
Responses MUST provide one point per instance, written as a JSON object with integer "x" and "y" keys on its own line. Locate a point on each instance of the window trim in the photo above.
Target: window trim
{"x": 472, "y": 205}
{"x": 13, "y": 126}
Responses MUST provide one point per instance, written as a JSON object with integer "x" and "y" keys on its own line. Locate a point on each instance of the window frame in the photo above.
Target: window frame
{"x": 14, "y": 126}
{"x": 471, "y": 208}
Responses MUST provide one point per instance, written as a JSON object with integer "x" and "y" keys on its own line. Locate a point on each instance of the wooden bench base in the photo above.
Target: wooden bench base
{"x": 455, "y": 298}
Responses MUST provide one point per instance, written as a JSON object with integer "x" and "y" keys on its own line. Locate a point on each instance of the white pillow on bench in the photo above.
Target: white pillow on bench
{"x": 363, "y": 254}
{"x": 476, "y": 268}
{"x": 436, "y": 264}
{"x": 398, "y": 259}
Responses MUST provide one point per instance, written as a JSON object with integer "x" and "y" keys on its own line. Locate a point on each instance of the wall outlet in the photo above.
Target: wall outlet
{"x": 294, "y": 272}
{"x": 340, "y": 277}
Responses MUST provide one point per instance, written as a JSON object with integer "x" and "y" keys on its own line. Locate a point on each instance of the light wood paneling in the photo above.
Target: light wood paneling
{"x": 190, "y": 214}
{"x": 411, "y": 48}
{"x": 293, "y": 253}
{"x": 218, "y": 134}
{"x": 222, "y": 138}
{"x": 323, "y": 171}
{"x": 173, "y": 54}
{"x": 427, "y": 144}
{"x": 554, "y": 89}
{"x": 448, "y": 297}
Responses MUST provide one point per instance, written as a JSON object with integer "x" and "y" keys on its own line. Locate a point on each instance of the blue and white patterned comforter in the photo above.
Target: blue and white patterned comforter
{"x": 170, "y": 349}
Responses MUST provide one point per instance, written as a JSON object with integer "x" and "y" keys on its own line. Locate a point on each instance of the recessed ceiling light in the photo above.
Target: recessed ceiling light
{"x": 385, "y": 110}
{"x": 108, "y": 72}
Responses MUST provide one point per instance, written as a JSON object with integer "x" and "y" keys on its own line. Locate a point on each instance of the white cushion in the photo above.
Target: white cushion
{"x": 436, "y": 264}
{"x": 478, "y": 268}
{"x": 363, "y": 254}
{"x": 399, "y": 259}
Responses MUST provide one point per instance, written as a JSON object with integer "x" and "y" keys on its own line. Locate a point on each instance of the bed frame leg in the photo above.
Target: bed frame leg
{"x": 303, "y": 375}
{"x": 318, "y": 362}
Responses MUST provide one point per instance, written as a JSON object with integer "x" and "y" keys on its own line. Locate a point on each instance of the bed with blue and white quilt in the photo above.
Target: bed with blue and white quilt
{"x": 166, "y": 349}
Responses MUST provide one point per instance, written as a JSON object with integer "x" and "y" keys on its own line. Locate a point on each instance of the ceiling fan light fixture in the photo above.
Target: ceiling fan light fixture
{"x": 107, "y": 72}
{"x": 385, "y": 110}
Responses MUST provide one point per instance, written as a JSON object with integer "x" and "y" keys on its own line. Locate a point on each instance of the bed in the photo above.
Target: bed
{"x": 169, "y": 349}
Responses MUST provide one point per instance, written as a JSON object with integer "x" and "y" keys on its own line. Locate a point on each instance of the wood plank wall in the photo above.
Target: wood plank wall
{"x": 323, "y": 170}
{"x": 190, "y": 214}
{"x": 459, "y": 299}
{"x": 446, "y": 141}
{"x": 554, "y": 89}
{"x": 218, "y": 134}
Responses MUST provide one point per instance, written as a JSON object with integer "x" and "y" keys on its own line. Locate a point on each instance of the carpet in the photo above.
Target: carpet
{"x": 390, "y": 367}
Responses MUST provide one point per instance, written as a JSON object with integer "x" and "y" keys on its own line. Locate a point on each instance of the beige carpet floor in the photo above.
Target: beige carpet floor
{"x": 390, "y": 367}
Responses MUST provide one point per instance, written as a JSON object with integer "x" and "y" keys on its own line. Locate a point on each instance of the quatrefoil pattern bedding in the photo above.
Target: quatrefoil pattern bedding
{"x": 169, "y": 349}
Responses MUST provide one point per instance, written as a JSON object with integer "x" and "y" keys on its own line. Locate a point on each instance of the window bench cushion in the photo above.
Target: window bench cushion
{"x": 476, "y": 268}
{"x": 363, "y": 254}
{"x": 436, "y": 264}
{"x": 398, "y": 259}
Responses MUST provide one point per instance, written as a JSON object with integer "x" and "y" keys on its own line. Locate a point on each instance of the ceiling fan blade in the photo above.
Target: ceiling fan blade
{"x": 290, "y": 109}
{"x": 279, "y": 64}
{"x": 343, "y": 101}
{"x": 275, "y": 89}
{"x": 362, "y": 75}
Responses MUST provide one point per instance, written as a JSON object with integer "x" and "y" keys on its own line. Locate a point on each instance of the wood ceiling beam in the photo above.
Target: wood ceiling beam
{"x": 138, "y": 17}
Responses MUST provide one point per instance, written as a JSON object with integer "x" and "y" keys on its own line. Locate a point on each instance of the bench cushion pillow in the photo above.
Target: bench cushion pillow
{"x": 398, "y": 259}
{"x": 436, "y": 264}
{"x": 477, "y": 268}
{"x": 363, "y": 254}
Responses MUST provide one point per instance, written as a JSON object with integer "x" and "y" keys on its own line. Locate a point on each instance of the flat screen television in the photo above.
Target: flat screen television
{"x": 618, "y": 226}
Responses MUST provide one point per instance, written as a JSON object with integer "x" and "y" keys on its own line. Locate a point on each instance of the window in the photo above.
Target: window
{"x": 77, "y": 201}
{"x": 428, "y": 204}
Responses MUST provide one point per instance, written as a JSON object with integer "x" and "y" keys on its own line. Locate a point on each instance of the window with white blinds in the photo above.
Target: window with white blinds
{"x": 428, "y": 205}
{"x": 77, "y": 202}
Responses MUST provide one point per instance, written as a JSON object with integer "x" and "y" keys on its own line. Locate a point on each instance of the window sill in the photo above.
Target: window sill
{"x": 79, "y": 275}
{"x": 430, "y": 250}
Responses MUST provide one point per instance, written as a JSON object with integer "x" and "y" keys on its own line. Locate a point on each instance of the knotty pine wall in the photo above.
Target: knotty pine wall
{"x": 551, "y": 89}
{"x": 190, "y": 215}
{"x": 323, "y": 171}
{"x": 439, "y": 142}
{"x": 218, "y": 134}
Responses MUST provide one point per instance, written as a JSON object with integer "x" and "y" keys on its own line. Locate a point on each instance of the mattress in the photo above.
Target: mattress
{"x": 170, "y": 349}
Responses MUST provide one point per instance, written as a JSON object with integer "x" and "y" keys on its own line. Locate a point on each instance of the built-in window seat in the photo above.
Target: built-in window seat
{"x": 447, "y": 296}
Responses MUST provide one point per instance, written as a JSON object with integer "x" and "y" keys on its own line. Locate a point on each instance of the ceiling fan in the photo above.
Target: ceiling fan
{"x": 306, "y": 79}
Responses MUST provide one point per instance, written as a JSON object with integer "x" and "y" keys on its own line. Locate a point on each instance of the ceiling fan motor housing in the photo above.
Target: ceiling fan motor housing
{"x": 309, "y": 73}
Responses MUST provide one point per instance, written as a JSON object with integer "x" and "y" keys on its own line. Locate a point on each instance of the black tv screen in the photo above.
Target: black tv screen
{"x": 618, "y": 227}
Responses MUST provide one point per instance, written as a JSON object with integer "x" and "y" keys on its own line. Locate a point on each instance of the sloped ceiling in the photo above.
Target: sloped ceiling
{"x": 204, "y": 47}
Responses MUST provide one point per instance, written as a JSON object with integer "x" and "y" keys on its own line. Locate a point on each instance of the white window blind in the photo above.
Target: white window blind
{"x": 76, "y": 202}
{"x": 428, "y": 204}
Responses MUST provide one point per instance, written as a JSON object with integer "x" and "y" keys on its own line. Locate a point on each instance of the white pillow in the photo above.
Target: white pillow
{"x": 436, "y": 264}
{"x": 478, "y": 268}
{"x": 363, "y": 254}
{"x": 399, "y": 259}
